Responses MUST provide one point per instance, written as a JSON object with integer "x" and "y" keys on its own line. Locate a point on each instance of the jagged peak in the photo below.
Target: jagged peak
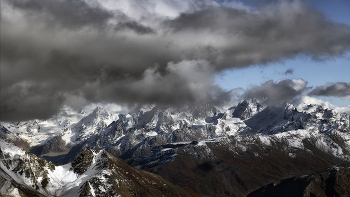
{"x": 246, "y": 108}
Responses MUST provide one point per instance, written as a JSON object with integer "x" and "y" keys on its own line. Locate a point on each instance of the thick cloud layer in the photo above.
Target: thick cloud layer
{"x": 77, "y": 51}
{"x": 276, "y": 92}
{"x": 340, "y": 89}
{"x": 69, "y": 13}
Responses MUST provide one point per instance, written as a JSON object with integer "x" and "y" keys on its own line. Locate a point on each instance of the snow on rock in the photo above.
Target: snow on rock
{"x": 70, "y": 124}
{"x": 141, "y": 131}
{"x": 137, "y": 134}
{"x": 91, "y": 173}
{"x": 24, "y": 168}
{"x": 96, "y": 173}
{"x": 37, "y": 132}
{"x": 95, "y": 122}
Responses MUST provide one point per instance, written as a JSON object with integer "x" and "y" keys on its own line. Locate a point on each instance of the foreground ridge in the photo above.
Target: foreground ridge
{"x": 91, "y": 173}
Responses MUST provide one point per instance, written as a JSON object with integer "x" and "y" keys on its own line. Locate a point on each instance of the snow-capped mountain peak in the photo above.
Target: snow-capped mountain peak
{"x": 91, "y": 124}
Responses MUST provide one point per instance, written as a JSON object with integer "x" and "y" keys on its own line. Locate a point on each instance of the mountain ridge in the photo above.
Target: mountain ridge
{"x": 91, "y": 173}
{"x": 285, "y": 140}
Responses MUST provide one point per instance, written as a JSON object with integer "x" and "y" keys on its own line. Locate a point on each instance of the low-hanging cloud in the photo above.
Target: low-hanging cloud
{"x": 94, "y": 52}
{"x": 276, "y": 92}
{"x": 339, "y": 89}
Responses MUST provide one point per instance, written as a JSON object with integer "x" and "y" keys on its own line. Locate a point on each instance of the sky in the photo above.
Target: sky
{"x": 170, "y": 52}
{"x": 316, "y": 73}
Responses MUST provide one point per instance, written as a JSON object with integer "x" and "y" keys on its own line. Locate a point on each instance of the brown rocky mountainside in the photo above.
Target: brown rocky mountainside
{"x": 54, "y": 146}
{"x": 224, "y": 169}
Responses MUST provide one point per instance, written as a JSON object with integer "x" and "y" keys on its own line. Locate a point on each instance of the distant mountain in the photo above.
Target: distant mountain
{"x": 91, "y": 173}
{"x": 56, "y": 135}
{"x": 144, "y": 130}
{"x": 38, "y": 132}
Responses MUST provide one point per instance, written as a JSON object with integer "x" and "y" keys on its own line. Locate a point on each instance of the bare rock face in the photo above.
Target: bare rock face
{"x": 54, "y": 145}
{"x": 83, "y": 161}
{"x": 22, "y": 143}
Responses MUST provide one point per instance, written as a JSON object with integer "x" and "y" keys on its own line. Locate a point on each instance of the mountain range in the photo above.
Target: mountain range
{"x": 196, "y": 150}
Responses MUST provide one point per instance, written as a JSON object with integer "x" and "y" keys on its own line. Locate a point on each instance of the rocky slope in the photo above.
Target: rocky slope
{"x": 237, "y": 165}
{"x": 91, "y": 173}
{"x": 333, "y": 181}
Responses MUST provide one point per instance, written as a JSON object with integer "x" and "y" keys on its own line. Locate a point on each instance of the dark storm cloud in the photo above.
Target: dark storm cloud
{"x": 67, "y": 13}
{"x": 81, "y": 51}
{"x": 289, "y": 71}
{"x": 274, "y": 33}
{"x": 276, "y": 92}
{"x": 339, "y": 89}
{"x": 136, "y": 27}
{"x": 21, "y": 101}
